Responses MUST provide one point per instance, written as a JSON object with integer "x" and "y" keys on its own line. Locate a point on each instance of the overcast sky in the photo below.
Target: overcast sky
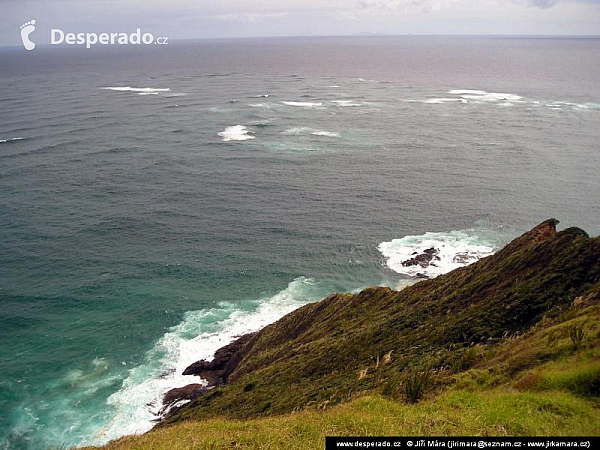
{"x": 188, "y": 19}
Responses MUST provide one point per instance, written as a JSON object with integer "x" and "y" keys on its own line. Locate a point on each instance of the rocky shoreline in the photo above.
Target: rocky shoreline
{"x": 326, "y": 352}
{"x": 215, "y": 372}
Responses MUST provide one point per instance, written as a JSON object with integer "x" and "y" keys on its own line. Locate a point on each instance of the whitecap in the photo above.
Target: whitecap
{"x": 492, "y": 97}
{"x": 235, "y": 133}
{"x": 466, "y": 92}
{"x": 303, "y": 104}
{"x": 132, "y": 89}
{"x": 326, "y": 133}
{"x": 296, "y": 131}
{"x": 590, "y": 105}
{"x": 3, "y": 141}
{"x": 560, "y": 104}
{"x": 451, "y": 250}
{"x": 484, "y": 96}
{"x": 444, "y": 100}
{"x": 346, "y": 103}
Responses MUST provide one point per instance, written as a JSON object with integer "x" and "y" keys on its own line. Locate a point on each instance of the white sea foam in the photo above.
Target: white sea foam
{"x": 326, "y": 133}
{"x": 492, "y": 97}
{"x": 146, "y": 90}
{"x": 444, "y": 100}
{"x": 198, "y": 336}
{"x": 3, "y": 141}
{"x": 577, "y": 106}
{"x": 454, "y": 249}
{"x": 496, "y": 96}
{"x": 477, "y": 96}
{"x": 590, "y": 105}
{"x": 303, "y": 104}
{"x": 297, "y": 131}
{"x": 466, "y": 91}
{"x": 346, "y": 103}
{"x": 235, "y": 133}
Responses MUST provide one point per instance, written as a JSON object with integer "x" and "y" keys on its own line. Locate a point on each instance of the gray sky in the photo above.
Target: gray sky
{"x": 242, "y": 18}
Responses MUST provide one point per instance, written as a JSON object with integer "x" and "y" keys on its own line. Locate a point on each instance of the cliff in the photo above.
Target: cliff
{"x": 380, "y": 341}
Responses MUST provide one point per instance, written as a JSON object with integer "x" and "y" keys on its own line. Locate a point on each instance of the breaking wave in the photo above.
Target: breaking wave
{"x": 435, "y": 253}
{"x": 235, "y": 133}
{"x": 138, "y": 403}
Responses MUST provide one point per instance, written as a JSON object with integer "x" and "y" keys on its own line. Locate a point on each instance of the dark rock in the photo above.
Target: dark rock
{"x": 223, "y": 364}
{"x": 422, "y": 259}
{"x": 172, "y": 398}
{"x": 189, "y": 392}
{"x": 314, "y": 353}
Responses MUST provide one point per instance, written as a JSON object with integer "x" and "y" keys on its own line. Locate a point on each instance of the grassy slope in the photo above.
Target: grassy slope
{"x": 534, "y": 384}
{"x": 324, "y": 353}
{"x": 495, "y": 333}
{"x": 457, "y": 413}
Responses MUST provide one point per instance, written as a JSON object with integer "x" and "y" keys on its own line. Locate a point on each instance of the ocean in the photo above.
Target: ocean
{"x": 156, "y": 202}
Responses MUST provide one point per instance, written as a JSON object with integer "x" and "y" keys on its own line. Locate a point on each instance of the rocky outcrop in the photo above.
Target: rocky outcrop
{"x": 176, "y": 398}
{"x": 217, "y": 371}
{"x": 189, "y": 392}
{"x": 318, "y": 353}
{"x": 423, "y": 259}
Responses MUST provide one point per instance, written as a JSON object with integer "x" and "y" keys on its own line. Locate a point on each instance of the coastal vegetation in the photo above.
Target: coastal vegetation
{"x": 505, "y": 346}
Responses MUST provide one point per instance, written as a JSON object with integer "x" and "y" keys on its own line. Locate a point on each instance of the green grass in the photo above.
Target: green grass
{"x": 416, "y": 384}
{"x": 520, "y": 386}
{"x": 327, "y": 352}
{"x": 495, "y": 412}
{"x": 510, "y": 345}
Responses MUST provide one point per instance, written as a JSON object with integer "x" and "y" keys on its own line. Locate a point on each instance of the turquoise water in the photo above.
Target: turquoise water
{"x": 143, "y": 228}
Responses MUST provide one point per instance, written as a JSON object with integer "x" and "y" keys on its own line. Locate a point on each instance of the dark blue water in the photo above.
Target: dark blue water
{"x": 219, "y": 184}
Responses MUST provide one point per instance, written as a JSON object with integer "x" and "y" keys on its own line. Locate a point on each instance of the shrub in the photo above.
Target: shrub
{"x": 577, "y": 334}
{"x": 416, "y": 384}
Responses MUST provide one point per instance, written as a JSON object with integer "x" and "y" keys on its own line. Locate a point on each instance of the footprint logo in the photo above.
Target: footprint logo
{"x": 26, "y": 29}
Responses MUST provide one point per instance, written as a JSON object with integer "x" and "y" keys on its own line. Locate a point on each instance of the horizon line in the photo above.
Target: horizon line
{"x": 368, "y": 35}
